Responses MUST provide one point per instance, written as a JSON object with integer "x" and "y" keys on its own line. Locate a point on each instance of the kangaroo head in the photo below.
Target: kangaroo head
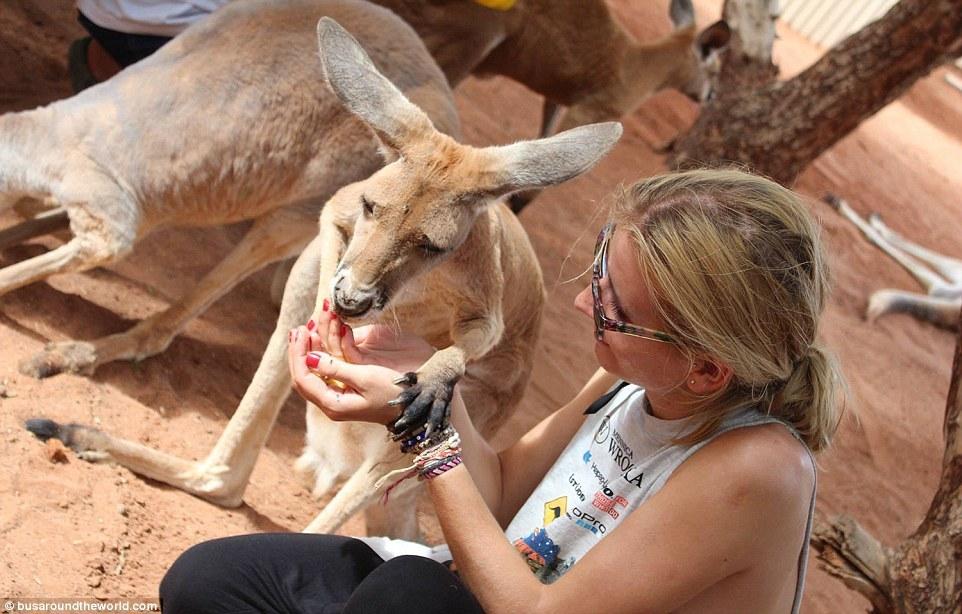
{"x": 692, "y": 61}
{"x": 418, "y": 210}
{"x": 697, "y": 71}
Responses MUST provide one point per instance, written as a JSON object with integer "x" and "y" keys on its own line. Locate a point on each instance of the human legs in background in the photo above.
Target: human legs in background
{"x": 106, "y": 52}
{"x": 296, "y": 572}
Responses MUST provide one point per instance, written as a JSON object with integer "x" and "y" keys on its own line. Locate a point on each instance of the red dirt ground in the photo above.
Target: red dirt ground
{"x": 75, "y": 529}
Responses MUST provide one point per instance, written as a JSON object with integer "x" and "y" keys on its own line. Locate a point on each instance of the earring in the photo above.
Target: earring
{"x": 692, "y": 382}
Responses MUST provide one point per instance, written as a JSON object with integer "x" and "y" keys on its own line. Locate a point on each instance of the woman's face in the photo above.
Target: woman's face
{"x": 659, "y": 367}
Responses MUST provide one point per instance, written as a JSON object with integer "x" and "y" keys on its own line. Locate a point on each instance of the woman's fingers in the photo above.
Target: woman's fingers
{"x": 349, "y": 347}
{"x": 332, "y": 368}
{"x": 332, "y": 341}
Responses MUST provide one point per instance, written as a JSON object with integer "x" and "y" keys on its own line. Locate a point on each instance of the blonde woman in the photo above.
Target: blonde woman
{"x": 688, "y": 485}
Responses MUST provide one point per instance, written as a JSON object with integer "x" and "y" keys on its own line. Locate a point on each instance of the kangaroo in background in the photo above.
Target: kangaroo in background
{"x": 425, "y": 242}
{"x": 940, "y": 275}
{"x": 571, "y": 52}
{"x": 226, "y": 122}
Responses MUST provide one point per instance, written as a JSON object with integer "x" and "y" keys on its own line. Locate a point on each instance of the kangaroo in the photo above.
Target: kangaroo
{"x": 425, "y": 242}
{"x": 940, "y": 275}
{"x": 227, "y": 122}
{"x": 572, "y": 52}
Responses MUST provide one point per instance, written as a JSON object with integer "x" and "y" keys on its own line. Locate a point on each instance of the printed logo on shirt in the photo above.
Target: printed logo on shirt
{"x": 555, "y": 509}
{"x": 623, "y": 456}
{"x": 587, "y": 521}
{"x": 586, "y": 456}
{"x": 538, "y": 549}
{"x": 577, "y": 486}
{"x": 601, "y": 435}
{"x": 607, "y": 501}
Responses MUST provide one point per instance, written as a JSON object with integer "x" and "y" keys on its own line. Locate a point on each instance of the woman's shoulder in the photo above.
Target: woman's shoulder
{"x": 764, "y": 463}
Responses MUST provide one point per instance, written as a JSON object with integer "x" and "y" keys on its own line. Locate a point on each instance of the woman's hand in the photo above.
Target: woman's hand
{"x": 366, "y": 361}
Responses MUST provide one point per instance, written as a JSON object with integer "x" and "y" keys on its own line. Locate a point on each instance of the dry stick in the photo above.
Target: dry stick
{"x": 45, "y": 223}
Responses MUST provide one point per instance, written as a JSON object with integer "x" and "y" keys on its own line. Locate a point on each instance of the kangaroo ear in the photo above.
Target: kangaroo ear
{"x": 713, "y": 38}
{"x": 682, "y": 14}
{"x": 544, "y": 162}
{"x": 366, "y": 92}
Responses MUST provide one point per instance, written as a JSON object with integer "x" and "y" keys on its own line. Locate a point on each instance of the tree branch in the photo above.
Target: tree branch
{"x": 849, "y": 553}
{"x": 953, "y": 406}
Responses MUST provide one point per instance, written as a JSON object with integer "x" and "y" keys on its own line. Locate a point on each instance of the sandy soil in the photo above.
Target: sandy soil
{"x": 75, "y": 529}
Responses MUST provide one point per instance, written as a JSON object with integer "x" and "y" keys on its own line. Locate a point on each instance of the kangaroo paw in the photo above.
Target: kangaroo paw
{"x": 69, "y": 357}
{"x": 426, "y": 404}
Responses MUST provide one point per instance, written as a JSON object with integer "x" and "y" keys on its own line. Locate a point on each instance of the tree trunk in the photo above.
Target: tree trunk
{"x": 747, "y": 60}
{"x": 779, "y": 127}
{"x": 923, "y": 575}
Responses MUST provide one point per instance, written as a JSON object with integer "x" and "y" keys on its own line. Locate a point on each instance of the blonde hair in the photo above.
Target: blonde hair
{"x": 737, "y": 272}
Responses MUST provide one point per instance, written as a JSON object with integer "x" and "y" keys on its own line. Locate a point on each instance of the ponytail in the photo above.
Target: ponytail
{"x": 808, "y": 398}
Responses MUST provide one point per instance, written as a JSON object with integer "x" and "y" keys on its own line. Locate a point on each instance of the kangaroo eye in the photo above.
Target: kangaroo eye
{"x": 368, "y": 206}
{"x": 430, "y": 248}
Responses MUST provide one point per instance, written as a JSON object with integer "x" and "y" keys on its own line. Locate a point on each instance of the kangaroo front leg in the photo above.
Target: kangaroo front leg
{"x": 271, "y": 238}
{"x": 71, "y": 257}
{"x": 949, "y": 268}
{"x": 223, "y": 475}
{"x": 428, "y": 396}
{"x": 940, "y": 311}
{"x": 358, "y": 492}
{"x": 917, "y": 269}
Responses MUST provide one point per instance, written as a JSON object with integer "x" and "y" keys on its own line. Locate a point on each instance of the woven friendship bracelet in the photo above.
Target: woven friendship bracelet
{"x": 432, "y": 454}
{"x": 450, "y": 463}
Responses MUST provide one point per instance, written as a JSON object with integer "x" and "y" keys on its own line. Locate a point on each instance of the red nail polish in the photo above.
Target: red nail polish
{"x": 327, "y": 305}
{"x": 310, "y": 324}
{"x": 312, "y": 360}
{"x": 343, "y": 330}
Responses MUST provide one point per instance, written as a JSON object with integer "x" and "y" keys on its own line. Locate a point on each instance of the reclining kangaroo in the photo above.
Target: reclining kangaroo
{"x": 183, "y": 139}
{"x": 940, "y": 275}
{"x": 424, "y": 242}
{"x": 115, "y": 186}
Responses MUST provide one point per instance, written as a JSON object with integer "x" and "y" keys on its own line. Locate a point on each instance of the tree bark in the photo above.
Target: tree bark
{"x": 923, "y": 575}
{"x": 747, "y": 60}
{"x": 779, "y": 127}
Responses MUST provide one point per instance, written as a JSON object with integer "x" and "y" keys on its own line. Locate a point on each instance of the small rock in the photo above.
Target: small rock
{"x": 56, "y": 452}
{"x": 94, "y": 581}
{"x": 122, "y": 510}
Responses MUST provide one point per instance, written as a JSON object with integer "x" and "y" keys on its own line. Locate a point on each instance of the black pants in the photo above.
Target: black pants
{"x": 316, "y": 574}
{"x": 125, "y": 48}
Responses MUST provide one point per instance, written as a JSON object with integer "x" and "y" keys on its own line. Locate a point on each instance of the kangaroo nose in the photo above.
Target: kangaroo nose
{"x": 351, "y": 304}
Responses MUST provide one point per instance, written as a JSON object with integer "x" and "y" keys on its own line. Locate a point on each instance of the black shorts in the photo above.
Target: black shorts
{"x": 317, "y": 574}
{"x": 125, "y": 48}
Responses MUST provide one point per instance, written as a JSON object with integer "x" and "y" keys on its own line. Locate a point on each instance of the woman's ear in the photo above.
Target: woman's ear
{"x": 708, "y": 376}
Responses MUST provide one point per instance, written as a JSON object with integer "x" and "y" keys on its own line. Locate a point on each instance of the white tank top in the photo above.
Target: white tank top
{"x": 155, "y": 17}
{"x": 621, "y": 456}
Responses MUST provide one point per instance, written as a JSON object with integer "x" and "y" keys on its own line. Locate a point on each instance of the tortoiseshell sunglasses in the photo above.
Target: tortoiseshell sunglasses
{"x": 602, "y": 322}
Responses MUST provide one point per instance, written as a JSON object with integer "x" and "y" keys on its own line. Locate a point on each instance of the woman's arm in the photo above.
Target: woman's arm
{"x": 506, "y": 479}
{"x": 720, "y": 514}
{"x": 377, "y": 357}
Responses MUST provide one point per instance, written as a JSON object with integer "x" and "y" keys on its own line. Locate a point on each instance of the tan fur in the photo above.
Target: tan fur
{"x": 435, "y": 189}
{"x": 940, "y": 275}
{"x": 572, "y": 52}
{"x": 229, "y": 121}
